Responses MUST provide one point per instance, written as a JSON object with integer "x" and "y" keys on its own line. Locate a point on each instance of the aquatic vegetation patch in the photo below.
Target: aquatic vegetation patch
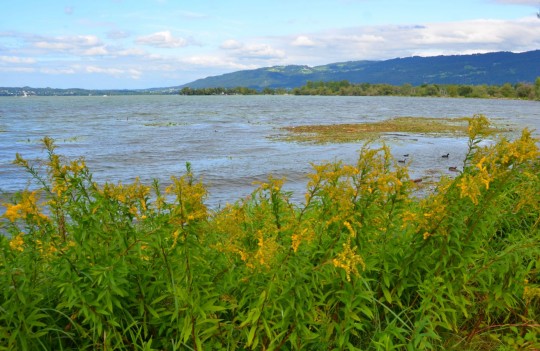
{"x": 352, "y": 132}
{"x": 164, "y": 124}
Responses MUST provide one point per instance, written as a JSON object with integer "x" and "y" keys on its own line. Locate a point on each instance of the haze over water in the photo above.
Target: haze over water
{"x": 229, "y": 140}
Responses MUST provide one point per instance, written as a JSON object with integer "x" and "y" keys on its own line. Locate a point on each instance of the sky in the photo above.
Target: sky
{"x": 137, "y": 44}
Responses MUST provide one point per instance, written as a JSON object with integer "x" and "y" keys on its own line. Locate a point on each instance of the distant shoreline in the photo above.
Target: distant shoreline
{"x": 518, "y": 91}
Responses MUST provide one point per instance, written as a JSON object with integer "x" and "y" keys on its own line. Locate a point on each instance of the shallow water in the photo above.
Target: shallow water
{"x": 227, "y": 139}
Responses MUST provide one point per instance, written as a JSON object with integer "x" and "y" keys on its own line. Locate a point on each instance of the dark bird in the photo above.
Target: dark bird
{"x": 453, "y": 169}
{"x": 406, "y": 155}
{"x": 446, "y": 156}
{"x": 401, "y": 161}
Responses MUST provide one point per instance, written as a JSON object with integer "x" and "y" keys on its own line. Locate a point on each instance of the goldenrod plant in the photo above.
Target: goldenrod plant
{"x": 363, "y": 263}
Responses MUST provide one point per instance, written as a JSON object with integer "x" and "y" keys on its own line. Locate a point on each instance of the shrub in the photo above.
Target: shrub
{"x": 362, "y": 264}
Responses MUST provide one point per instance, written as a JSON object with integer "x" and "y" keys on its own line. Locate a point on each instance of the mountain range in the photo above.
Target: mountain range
{"x": 495, "y": 68}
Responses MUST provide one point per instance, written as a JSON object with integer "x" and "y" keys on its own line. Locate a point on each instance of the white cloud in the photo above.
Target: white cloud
{"x": 304, "y": 41}
{"x": 131, "y": 52}
{"x": 95, "y": 51}
{"x": 117, "y": 72}
{"x": 16, "y": 59}
{"x": 17, "y": 69}
{"x": 58, "y": 70}
{"x": 231, "y": 44}
{"x": 214, "y": 62}
{"x": 390, "y": 41}
{"x": 162, "y": 40}
{"x": 87, "y": 45}
{"x": 252, "y": 51}
{"x": 261, "y": 51}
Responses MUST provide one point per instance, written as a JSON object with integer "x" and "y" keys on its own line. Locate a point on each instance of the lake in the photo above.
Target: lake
{"x": 227, "y": 139}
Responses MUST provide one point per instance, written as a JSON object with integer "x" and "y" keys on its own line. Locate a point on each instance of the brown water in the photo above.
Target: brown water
{"x": 227, "y": 139}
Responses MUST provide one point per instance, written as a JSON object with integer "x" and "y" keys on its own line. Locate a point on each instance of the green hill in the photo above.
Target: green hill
{"x": 491, "y": 68}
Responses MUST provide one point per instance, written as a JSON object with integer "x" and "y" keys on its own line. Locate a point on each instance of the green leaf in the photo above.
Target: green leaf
{"x": 387, "y": 294}
{"x": 251, "y": 335}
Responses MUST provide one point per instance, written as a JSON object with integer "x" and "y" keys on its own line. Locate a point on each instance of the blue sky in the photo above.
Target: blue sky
{"x": 160, "y": 43}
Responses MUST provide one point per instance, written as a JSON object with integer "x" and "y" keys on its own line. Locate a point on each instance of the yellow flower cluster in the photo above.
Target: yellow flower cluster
{"x": 432, "y": 212}
{"x": 267, "y": 248}
{"x": 257, "y": 234}
{"x": 135, "y": 193}
{"x": 349, "y": 260}
{"x": 305, "y": 235}
{"x": 478, "y": 126}
{"x": 17, "y": 243}
{"x": 190, "y": 195}
{"x": 46, "y": 250}
{"x": 28, "y": 207}
{"x": 492, "y": 163}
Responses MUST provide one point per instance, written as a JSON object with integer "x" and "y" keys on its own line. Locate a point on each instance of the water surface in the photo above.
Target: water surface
{"x": 227, "y": 139}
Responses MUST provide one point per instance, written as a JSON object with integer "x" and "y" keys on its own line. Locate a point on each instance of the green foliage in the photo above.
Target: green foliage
{"x": 362, "y": 264}
{"x": 218, "y": 91}
{"x": 516, "y": 91}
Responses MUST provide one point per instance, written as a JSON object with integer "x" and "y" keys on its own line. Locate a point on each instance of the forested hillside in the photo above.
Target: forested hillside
{"x": 492, "y": 69}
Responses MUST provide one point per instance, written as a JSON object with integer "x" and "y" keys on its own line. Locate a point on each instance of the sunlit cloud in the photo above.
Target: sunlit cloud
{"x": 132, "y": 73}
{"x": 78, "y": 45}
{"x": 48, "y": 70}
{"x": 303, "y": 41}
{"x": 163, "y": 39}
{"x": 12, "y": 69}
{"x": 251, "y": 51}
{"x": 15, "y": 59}
{"x": 231, "y": 44}
{"x": 390, "y": 41}
{"x": 215, "y": 62}
{"x": 131, "y": 52}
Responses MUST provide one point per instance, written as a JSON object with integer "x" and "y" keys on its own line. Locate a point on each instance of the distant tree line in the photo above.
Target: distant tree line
{"x": 219, "y": 91}
{"x": 345, "y": 88}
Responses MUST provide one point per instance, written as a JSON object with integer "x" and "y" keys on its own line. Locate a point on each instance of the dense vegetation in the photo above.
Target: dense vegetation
{"x": 346, "y": 88}
{"x": 362, "y": 264}
{"x": 508, "y": 91}
{"x": 219, "y": 91}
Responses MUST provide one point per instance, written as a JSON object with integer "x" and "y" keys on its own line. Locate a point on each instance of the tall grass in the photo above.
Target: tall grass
{"x": 362, "y": 264}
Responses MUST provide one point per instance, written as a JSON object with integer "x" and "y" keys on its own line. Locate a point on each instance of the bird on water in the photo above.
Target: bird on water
{"x": 446, "y": 156}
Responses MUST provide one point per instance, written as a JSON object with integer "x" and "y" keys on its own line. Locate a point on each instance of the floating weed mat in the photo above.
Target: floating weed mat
{"x": 352, "y": 132}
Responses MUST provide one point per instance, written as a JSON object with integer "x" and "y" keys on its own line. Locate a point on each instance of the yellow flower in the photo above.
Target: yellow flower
{"x": 469, "y": 188}
{"x": 349, "y": 260}
{"x": 350, "y": 228}
{"x": 16, "y": 243}
{"x": 28, "y": 206}
{"x": 12, "y": 212}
